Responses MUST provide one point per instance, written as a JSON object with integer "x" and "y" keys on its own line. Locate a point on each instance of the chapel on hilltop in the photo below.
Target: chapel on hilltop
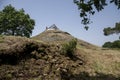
{"x": 52, "y": 27}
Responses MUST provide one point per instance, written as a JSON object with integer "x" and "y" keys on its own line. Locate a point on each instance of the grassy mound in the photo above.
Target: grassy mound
{"x": 58, "y": 36}
{"x": 53, "y": 36}
{"x": 23, "y": 59}
{"x": 29, "y": 59}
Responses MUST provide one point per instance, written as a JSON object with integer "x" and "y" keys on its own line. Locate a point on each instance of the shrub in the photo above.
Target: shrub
{"x": 115, "y": 44}
{"x": 107, "y": 45}
{"x": 69, "y": 48}
{"x": 1, "y": 39}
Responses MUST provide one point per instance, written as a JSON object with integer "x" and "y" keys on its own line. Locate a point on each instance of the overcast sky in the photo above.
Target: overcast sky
{"x": 65, "y": 15}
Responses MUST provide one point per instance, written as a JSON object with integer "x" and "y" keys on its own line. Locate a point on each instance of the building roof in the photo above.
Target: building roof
{"x": 52, "y": 27}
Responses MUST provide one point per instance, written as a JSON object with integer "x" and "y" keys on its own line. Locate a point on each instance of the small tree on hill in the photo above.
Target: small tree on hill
{"x": 15, "y": 22}
{"x": 115, "y": 44}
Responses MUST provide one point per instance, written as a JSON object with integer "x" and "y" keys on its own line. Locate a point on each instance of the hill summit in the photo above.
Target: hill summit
{"x": 53, "y": 34}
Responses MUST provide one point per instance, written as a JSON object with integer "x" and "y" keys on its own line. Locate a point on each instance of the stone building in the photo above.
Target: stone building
{"x": 52, "y": 27}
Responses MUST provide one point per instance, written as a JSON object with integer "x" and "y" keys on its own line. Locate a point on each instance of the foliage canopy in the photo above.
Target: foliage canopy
{"x": 115, "y": 44}
{"x": 15, "y": 22}
{"x": 108, "y": 31}
{"x": 89, "y": 7}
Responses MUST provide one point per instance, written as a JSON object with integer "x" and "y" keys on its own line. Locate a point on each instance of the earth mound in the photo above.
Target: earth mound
{"x": 47, "y": 56}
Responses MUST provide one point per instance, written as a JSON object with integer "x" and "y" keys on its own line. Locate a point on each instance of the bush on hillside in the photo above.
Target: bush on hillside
{"x": 69, "y": 48}
{"x": 115, "y": 44}
{"x": 107, "y": 45}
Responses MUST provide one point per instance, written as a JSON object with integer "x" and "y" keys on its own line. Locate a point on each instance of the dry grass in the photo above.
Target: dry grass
{"x": 53, "y": 36}
{"x": 34, "y": 60}
{"x": 98, "y": 62}
{"x": 102, "y": 61}
{"x": 46, "y": 62}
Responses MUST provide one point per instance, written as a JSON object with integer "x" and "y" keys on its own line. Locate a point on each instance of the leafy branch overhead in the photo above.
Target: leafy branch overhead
{"x": 89, "y": 7}
{"x": 109, "y": 30}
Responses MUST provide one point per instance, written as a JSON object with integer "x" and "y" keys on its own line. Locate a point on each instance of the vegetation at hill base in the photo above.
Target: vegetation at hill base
{"x": 115, "y": 44}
